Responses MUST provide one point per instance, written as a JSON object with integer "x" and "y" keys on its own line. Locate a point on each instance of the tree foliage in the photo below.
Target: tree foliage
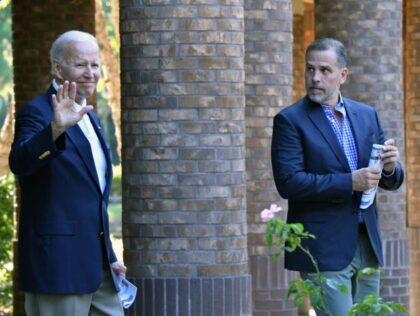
{"x": 108, "y": 96}
{"x": 6, "y": 235}
{"x": 6, "y": 59}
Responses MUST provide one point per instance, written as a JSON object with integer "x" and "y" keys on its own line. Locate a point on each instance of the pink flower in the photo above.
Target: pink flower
{"x": 274, "y": 208}
{"x": 268, "y": 214}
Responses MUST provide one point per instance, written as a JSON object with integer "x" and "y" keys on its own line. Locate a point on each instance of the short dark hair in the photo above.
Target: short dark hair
{"x": 326, "y": 43}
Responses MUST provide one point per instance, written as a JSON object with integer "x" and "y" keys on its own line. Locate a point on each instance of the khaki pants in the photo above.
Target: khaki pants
{"x": 103, "y": 302}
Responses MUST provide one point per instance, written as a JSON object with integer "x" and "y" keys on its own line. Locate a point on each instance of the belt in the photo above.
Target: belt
{"x": 362, "y": 229}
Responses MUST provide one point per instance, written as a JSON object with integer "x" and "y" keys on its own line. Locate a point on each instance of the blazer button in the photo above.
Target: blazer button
{"x": 101, "y": 234}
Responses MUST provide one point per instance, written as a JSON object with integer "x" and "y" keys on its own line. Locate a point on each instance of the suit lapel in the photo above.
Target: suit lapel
{"x": 317, "y": 116}
{"x": 83, "y": 147}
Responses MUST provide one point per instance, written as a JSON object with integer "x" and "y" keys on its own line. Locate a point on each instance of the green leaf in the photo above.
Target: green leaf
{"x": 343, "y": 289}
{"x": 316, "y": 298}
{"x": 297, "y": 228}
{"x": 293, "y": 287}
{"x": 399, "y": 308}
{"x": 366, "y": 272}
{"x": 332, "y": 284}
{"x": 299, "y": 301}
{"x": 376, "y": 308}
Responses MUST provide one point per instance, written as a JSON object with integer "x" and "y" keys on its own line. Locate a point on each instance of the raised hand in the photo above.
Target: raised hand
{"x": 64, "y": 111}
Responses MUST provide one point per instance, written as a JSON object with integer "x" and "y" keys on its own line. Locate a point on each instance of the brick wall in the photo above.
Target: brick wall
{"x": 183, "y": 128}
{"x": 371, "y": 30}
{"x": 412, "y": 110}
{"x": 35, "y": 25}
{"x": 268, "y": 65}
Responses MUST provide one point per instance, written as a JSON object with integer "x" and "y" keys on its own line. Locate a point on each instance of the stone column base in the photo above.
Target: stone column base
{"x": 200, "y": 296}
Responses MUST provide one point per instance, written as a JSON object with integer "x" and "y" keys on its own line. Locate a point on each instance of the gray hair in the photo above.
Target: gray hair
{"x": 323, "y": 44}
{"x": 60, "y": 45}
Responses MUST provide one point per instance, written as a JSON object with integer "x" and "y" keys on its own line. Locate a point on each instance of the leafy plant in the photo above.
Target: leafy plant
{"x": 288, "y": 237}
{"x": 373, "y": 305}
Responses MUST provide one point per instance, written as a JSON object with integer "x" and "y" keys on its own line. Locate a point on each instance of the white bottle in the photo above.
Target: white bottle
{"x": 375, "y": 161}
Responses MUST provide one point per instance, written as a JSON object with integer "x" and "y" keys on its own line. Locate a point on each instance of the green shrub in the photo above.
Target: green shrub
{"x": 6, "y": 236}
{"x": 288, "y": 237}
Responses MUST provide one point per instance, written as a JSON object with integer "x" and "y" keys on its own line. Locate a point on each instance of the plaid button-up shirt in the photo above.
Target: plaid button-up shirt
{"x": 344, "y": 136}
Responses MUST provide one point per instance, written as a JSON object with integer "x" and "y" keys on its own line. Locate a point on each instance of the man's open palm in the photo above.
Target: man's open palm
{"x": 64, "y": 111}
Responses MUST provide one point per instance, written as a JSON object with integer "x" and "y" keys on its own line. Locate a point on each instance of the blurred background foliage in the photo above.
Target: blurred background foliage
{"x": 6, "y": 182}
{"x": 6, "y": 59}
{"x": 103, "y": 108}
{"x": 6, "y": 236}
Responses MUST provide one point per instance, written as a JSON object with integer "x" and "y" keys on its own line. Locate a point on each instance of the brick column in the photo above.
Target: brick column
{"x": 35, "y": 26}
{"x": 372, "y": 32}
{"x": 184, "y": 219}
{"x": 268, "y": 64}
{"x": 412, "y": 110}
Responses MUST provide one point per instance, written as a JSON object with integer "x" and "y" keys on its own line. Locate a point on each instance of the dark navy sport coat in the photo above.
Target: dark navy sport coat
{"x": 311, "y": 171}
{"x": 63, "y": 220}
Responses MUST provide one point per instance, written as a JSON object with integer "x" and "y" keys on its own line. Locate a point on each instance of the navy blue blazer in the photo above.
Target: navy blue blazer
{"x": 311, "y": 171}
{"x": 63, "y": 220}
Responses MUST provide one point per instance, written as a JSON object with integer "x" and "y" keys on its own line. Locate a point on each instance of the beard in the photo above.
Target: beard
{"x": 318, "y": 98}
{"x": 324, "y": 96}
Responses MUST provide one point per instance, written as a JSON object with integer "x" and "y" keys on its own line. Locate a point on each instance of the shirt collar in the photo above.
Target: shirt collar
{"x": 76, "y": 105}
{"x": 339, "y": 107}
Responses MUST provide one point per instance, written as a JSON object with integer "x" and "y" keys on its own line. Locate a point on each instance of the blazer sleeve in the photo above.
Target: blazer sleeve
{"x": 290, "y": 175}
{"x": 393, "y": 181}
{"x": 33, "y": 145}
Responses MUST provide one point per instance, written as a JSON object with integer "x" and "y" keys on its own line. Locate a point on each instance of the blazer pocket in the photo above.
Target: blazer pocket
{"x": 57, "y": 228}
